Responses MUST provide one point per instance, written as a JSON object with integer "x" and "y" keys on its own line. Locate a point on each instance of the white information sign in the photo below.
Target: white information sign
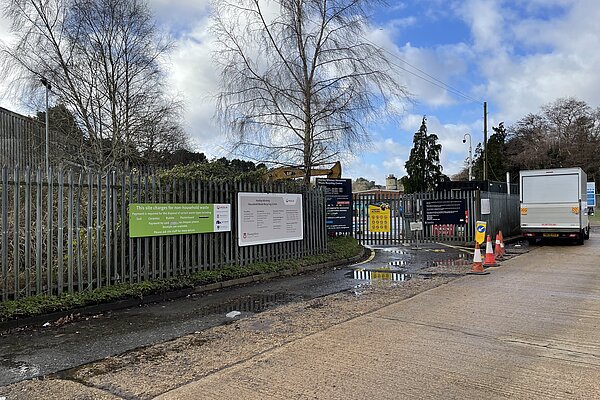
{"x": 269, "y": 218}
{"x": 485, "y": 206}
{"x": 416, "y": 226}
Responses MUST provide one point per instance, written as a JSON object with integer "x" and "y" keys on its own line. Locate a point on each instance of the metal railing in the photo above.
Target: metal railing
{"x": 68, "y": 232}
{"x": 409, "y": 208}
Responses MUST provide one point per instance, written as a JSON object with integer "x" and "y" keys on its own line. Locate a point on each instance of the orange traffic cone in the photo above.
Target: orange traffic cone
{"x": 477, "y": 266}
{"x": 490, "y": 260}
{"x": 497, "y": 249}
{"x": 501, "y": 243}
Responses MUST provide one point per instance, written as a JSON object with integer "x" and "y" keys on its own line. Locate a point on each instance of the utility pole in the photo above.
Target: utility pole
{"x": 485, "y": 140}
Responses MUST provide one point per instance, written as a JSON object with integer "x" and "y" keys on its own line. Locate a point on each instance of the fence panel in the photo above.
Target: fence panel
{"x": 409, "y": 208}
{"x": 45, "y": 250}
{"x": 504, "y": 215}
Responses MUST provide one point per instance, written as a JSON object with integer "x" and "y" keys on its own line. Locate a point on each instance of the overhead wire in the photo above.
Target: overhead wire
{"x": 434, "y": 81}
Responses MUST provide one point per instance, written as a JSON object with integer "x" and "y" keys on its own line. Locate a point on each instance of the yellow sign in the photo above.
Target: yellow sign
{"x": 386, "y": 276}
{"x": 379, "y": 218}
{"x": 480, "y": 227}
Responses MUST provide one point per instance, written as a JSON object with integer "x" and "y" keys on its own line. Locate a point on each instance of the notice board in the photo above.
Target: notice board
{"x": 269, "y": 218}
{"x": 379, "y": 217}
{"x": 338, "y": 204}
{"x": 154, "y": 219}
{"x": 444, "y": 211}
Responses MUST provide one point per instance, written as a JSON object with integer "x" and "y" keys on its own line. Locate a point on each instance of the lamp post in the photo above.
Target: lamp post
{"x": 470, "y": 155}
{"x": 48, "y": 87}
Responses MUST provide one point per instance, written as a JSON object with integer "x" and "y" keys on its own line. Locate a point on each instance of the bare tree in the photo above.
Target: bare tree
{"x": 300, "y": 83}
{"x": 565, "y": 134}
{"x": 103, "y": 59}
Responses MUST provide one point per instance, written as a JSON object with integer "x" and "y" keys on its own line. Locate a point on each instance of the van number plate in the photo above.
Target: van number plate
{"x": 550, "y": 234}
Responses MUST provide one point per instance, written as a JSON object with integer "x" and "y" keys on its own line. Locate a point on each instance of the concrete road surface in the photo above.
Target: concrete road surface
{"x": 529, "y": 330}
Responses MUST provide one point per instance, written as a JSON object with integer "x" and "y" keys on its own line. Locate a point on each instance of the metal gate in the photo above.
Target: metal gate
{"x": 406, "y": 209}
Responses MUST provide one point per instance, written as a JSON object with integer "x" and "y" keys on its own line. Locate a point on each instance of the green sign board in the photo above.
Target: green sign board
{"x": 178, "y": 219}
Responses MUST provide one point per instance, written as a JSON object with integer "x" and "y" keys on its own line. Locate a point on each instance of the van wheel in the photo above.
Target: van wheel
{"x": 580, "y": 239}
{"x": 531, "y": 241}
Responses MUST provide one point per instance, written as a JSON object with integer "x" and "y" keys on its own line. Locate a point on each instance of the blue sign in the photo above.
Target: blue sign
{"x": 481, "y": 228}
{"x": 591, "y": 194}
{"x": 338, "y": 204}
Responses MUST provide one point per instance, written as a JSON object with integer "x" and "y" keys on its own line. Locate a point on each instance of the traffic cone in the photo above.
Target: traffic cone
{"x": 497, "y": 249}
{"x": 490, "y": 260}
{"x": 501, "y": 244}
{"x": 477, "y": 268}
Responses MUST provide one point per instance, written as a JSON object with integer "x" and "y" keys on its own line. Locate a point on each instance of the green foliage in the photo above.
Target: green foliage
{"x": 423, "y": 166}
{"x": 339, "y": 248}
{"x": 219, "y": 170}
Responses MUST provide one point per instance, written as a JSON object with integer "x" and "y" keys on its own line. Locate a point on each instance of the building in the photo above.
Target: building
{"x": 22, "y": 140}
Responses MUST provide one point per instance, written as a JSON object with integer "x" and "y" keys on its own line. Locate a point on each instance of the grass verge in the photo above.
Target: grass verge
{"x": 338, "y": 248}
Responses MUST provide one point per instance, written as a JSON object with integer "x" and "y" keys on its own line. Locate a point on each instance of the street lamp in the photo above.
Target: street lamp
{"x": 48, "y": 87}
{"x": 470, "y": 155}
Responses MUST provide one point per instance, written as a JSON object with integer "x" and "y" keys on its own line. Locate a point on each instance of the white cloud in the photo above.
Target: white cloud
{"x": 180, "y": 16}
{"x": 487, "y": 23}
{"x": 386, "y": 156}
{"x": 532, "y": 61}
{"x": 193, "y": 76}
{"x": 425, "y": 71}
{"x": 6, "y": 38}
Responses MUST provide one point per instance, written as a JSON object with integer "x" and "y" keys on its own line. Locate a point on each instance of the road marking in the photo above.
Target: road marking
{"x": 371, "y": 257}
{"x": 460, "y": 248}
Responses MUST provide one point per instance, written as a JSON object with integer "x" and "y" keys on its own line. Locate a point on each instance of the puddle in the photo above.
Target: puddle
{"x": 366, "y": 275}
{"x": 448, "y": 263}
{"x": 19, "y": 368}
{"x": 251, "y": 304}
{"x": 395, "y": 251}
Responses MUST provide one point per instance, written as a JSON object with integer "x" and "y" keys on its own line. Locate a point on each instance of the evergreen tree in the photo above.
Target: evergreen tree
{"x": 423, "y": 166}
{"x": 497, "y": 164}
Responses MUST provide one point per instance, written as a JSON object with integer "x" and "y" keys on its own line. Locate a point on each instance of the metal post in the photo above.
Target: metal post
{"x": 470, "y": 155}
{"x": 48, "y": 88}
{"x": 485, "y": 141}
{"x": 47, "y": 131}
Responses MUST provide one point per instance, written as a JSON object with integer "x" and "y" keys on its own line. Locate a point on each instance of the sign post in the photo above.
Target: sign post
{"x": 416, "y": 227}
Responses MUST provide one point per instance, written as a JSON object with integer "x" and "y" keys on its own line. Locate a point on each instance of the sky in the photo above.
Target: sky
{"x": 515, "y": 55}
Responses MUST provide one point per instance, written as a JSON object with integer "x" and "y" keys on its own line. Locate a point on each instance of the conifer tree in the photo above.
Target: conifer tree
{"x": 423, "y": 166}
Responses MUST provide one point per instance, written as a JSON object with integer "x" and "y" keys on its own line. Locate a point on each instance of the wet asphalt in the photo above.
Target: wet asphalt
{"x": 38, "y": 351}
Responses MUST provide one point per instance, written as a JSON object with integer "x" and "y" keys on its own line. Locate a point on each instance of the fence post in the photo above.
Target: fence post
{"x": 4, "y": 234}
